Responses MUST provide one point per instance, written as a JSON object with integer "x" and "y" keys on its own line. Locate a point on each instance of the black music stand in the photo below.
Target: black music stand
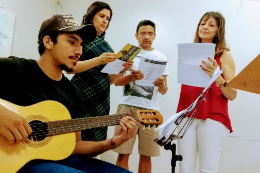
{"x": 175, "y": 157}
{"x": 167, "y": 142}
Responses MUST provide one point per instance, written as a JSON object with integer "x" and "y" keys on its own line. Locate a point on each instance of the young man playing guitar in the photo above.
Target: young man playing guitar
{"x": 25, "y": 82}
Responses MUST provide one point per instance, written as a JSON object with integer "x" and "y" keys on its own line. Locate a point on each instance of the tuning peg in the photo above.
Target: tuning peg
{"x": 143, "y": 127}
{"x": 149, "y": 127}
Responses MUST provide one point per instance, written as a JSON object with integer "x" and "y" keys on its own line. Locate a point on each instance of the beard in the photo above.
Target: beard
{"x": 66, "y": 68}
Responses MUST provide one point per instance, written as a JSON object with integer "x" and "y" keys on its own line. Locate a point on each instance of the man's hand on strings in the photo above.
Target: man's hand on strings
{"x": 208, "y": 67}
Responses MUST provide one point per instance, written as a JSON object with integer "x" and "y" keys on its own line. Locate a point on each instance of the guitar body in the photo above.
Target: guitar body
{"x": 14, "y": 156}
{"x": 53, "y": 132}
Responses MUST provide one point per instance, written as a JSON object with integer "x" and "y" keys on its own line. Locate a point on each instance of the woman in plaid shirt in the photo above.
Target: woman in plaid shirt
{"x": 94, "y": 85}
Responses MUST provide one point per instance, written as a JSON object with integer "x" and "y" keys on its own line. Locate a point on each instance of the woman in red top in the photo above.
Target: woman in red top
{"x": 211, "y": 127}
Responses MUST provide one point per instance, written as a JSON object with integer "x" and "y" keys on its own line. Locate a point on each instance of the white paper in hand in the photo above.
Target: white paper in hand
{"x": 190, "y": 57}
{"x": 152, "y": 70}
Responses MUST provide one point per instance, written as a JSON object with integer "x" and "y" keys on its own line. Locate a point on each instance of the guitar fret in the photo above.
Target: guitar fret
{"x": 60, "y": 125}
{"x": 113, "y": 119}
{"x": 49, "y": 127}
{"x": 69, "y": 126}
{"x": 86, "y": 122}
{"x": 65, "y": 126}
{"x": 53, "y": 128}
{"x": 108, "y": 120}
{"x": 82, "y": 124}
{"x": 73, "y": 125}
{"x": 76, "y": 125}
{"x": 92, "y": 122}
{"x": 57, "y": 127}
{"x": 118, "y": 117}
{"x": 97, "y": 122}
{"x": 103, "y": 122}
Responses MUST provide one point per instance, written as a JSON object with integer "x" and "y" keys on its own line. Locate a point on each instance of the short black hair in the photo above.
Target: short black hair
{"x": 94, "y": 8}
{"x": 53, "y": 36}
{"x": 145, "y": 22}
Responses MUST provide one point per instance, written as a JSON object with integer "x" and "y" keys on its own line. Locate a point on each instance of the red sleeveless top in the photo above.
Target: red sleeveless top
{"x": 214, "y": 107}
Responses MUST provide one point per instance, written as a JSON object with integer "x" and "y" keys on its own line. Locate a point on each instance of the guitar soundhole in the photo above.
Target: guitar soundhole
{"x": 40, "y": 131}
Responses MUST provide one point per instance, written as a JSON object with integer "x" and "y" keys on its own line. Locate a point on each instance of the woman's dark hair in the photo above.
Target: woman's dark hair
{"x": 93, "y": 9}
{"x": 219, "y": 39}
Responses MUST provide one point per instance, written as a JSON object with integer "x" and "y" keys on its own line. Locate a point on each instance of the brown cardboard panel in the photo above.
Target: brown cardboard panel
{"x": 249, "y": 78}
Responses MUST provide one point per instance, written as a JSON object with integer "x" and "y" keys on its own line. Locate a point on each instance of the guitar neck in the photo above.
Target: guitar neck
{"x": 74, "y": 125}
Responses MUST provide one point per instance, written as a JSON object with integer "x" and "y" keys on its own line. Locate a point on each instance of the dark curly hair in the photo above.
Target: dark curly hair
{"x": 93, "y": 9}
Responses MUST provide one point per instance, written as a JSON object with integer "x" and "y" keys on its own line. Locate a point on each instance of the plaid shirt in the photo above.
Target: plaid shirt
{"x": 95, "y": 88}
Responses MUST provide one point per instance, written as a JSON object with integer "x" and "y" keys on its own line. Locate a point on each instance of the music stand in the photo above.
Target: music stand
{"x": 249, "y": 78}
{"x": 167, "y": 142}
{"x": 175, "y": 157}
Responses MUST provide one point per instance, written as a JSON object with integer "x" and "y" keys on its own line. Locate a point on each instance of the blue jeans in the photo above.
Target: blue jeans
{"x": 72, "y": 165}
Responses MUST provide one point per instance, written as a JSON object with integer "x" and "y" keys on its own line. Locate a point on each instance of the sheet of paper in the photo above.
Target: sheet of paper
{"x": 152, "y": 70}
{"x": 6, "y": 32}
{"x": 113, "y": 67}
{"x": 190, "y": 57}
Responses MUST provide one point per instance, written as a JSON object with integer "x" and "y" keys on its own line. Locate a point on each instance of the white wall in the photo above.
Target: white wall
{"x": 176, "y": 22}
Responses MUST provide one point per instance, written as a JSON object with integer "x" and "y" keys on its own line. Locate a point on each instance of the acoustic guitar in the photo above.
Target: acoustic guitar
{"x": 53, "y": 132}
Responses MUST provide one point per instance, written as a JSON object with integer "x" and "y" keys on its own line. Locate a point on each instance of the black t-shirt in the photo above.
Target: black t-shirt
{"x": 23, "y": 83}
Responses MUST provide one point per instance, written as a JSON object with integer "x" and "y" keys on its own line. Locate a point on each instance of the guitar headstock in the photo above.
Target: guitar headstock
{"x": 150, "y": 118}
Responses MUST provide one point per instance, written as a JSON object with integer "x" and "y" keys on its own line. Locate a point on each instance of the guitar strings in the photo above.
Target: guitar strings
{"x": 44, "y": 129}
{"x": 192, "y": 117}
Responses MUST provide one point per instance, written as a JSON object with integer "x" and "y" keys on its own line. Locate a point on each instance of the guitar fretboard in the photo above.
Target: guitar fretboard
{"x": 74, "y": 125}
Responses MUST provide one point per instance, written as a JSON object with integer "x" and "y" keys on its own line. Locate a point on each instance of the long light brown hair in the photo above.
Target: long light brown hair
{"x": 219, "y": 39}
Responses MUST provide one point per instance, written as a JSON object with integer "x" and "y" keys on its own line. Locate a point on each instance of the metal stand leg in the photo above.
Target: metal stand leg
{"x": 175, "y": 157}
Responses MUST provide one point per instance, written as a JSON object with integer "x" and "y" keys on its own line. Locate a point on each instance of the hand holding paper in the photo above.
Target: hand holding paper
{"x": 152, "y": 70}
{"x": 159, "y": 82}
{"x": 209, "y": 68}
{"x": 128, "y": 65}
{"x": 107, "y": 57}
{"x": 123, "y": 56}
{"x": 137, "y": 75}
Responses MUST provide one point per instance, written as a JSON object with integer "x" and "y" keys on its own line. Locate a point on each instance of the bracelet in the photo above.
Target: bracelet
{"x": 122, "y": 72}
{"x": 224, "y": 84}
